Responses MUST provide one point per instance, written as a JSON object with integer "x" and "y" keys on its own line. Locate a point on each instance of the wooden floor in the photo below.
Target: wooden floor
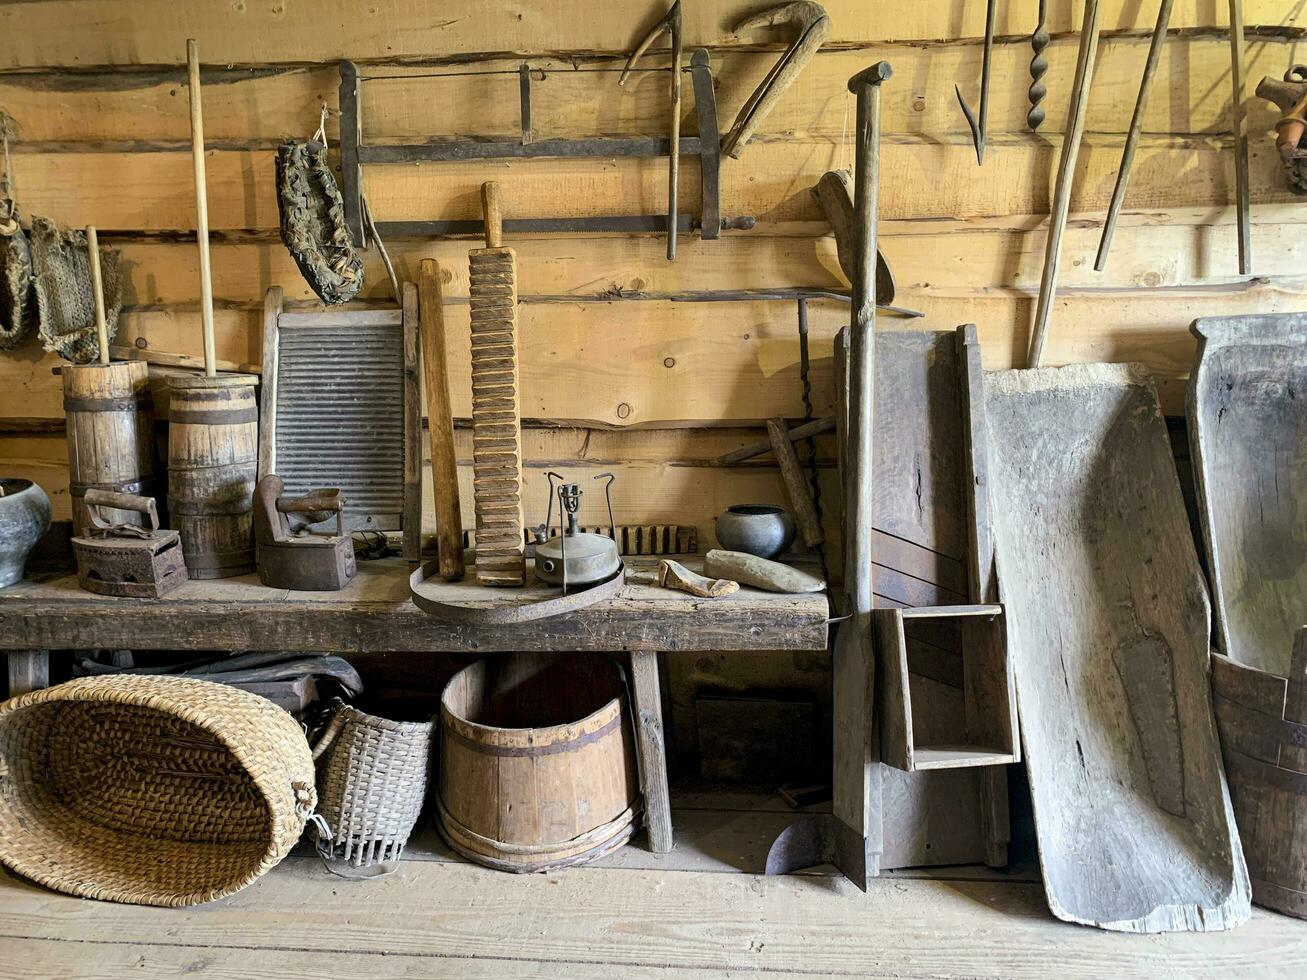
{"x": 437, "y": 917}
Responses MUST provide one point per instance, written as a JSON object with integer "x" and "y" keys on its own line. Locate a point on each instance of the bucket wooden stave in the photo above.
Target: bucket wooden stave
{"x": 537, "y": 761}
{"x": 109, "y": 417}
{"x": 1262, "y": 721}
{"x": 212, "y": 463}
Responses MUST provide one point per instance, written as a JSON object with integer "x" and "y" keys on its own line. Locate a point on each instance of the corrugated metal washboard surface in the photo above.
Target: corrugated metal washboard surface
{"x": 340, "y": 411}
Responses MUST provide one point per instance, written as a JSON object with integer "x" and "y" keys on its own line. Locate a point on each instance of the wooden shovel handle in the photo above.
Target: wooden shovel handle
{"x": 494, "y": 214}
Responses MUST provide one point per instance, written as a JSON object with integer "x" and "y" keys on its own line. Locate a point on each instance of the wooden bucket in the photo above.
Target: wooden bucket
{"x": 213, "y": 455}
{"x": 1262, "y": 719}
{"x": 110, "y": 422}
{"x": 537, "y": 761}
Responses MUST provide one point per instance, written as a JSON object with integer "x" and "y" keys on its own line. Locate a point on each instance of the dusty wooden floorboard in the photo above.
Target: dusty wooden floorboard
{"x": 454, "y": 918}
{"x": 116, "y": 961}
{"x": 719, "y": 842}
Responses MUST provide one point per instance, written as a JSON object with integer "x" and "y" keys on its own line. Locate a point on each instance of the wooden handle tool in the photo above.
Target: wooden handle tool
{"x": 201, "y": 205}
{"x": 440, "y": 419}
{"x": 496, "y": 417}
{"x": 97, "y": 292}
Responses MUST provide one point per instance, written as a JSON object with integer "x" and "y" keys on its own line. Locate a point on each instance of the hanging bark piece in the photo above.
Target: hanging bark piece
{"x": 313, "y": 222}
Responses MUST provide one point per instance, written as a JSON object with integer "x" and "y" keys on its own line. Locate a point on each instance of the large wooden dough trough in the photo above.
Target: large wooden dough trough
{"x": 1107, "y": 624}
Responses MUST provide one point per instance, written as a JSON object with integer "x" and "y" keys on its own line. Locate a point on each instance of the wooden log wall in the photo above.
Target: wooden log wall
{"x": 655, "y": 389}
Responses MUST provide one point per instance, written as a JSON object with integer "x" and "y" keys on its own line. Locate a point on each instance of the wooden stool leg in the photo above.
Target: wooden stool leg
{"x": 29, "y": 670}
{"x": 652, "y": 749}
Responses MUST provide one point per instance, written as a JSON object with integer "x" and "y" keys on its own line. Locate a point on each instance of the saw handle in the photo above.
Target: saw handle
{"x": 95, "y": 499}
{"x": 494, "y": 214}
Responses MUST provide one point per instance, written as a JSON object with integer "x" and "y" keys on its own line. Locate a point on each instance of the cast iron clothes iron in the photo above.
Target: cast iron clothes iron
{"x": 573, "y": 558}
{"x": 290, "y": 555}
{"x": 127, "y": 559}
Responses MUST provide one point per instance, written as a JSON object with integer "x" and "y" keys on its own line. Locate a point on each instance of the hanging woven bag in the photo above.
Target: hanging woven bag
{"x": 16, "y": 301}
{"x": 65, "y": 307}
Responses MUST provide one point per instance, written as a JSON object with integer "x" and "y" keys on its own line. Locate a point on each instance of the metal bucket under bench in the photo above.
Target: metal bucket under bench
{"x": 374, "y": 614}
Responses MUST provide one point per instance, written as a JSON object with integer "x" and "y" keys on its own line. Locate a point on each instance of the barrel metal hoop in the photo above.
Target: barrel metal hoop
{"x": 1255, "y": 770}
{"x": 230, "y": 416}
{"x": 1281, "y": 729}
{"x": 141, "y": 402}
{"x": 516, "y": 751}
{"x": 205, "y": 507}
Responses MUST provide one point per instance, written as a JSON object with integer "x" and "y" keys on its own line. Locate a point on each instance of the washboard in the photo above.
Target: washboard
{"x": 340, "y": 407}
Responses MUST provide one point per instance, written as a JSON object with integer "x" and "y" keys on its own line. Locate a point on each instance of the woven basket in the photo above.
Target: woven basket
{"x": 149, "y": 790}
{"x": 372, "y": 779}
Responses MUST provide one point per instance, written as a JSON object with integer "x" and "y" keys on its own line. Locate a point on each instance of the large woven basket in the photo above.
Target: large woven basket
{"x": 150, "y": 790}
{"x": 372, "y": 779}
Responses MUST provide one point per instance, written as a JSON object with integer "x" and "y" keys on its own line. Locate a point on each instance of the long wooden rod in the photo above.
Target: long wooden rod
{"x": 201, "y": 206}
{"x": 1066, "y": 172}
{"x": 97, "y": 292}
{"x": 1240, "y": 139}
{"x": 1132, "y": 138}
{"x": 866, "y": 207}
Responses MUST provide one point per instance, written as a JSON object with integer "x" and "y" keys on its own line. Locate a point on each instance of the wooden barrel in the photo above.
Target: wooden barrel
{"x": 537, "y": 761}
{"x": 213, "y": 455}
{"x": 110, "y": 423}
{"x": 1262, "y": 720}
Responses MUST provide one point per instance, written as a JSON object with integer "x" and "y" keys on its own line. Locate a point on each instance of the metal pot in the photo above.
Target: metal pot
{"x": 24, "y": 518}
{"x": 756, "y": 529}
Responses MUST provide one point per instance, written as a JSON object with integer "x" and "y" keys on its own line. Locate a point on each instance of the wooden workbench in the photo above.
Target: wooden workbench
{"x": 374, "y": 614}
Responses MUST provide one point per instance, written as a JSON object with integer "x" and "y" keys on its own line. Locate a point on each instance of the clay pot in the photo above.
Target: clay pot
{"x": 756, "y": 529}
{"x": 24, "y": 518}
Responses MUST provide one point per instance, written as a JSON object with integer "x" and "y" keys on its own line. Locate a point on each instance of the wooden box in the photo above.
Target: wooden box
{"x": 989, "y": 694}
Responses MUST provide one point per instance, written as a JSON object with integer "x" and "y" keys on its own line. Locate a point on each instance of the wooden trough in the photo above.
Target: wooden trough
{"x": 1248, "y": 429}
{"x": 1107, "y": 621}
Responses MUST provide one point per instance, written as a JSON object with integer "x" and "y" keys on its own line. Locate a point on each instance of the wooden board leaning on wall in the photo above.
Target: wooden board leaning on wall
{"x": 35, "y": 34}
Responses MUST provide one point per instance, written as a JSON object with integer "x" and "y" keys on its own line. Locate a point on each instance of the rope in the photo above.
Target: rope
{"x": 8, "y": 200}
{"x": 320, "y": 135}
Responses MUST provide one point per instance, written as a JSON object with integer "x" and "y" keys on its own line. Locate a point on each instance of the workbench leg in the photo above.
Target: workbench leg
{"x": 994, "y": 815}
{"x": 29, "y": 670}
{"x": 645, "y": 691}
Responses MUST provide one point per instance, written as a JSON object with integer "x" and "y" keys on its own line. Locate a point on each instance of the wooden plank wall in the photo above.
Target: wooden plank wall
{"x": 653, "y": 389}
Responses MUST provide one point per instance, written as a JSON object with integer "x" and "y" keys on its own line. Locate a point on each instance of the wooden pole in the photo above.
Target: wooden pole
{"x": 1132, "y": 139}
{"x": 201, "y": 206}
{"x": 1066, "y": 172}
{"x": 440, "y": 419}
{"x": 856, "y": 791}
{"x": 866, "y": 203}
{"x": 1240, "y": 139}
{"x": 97, "y": 292}
{"x": 674, "y": 150}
